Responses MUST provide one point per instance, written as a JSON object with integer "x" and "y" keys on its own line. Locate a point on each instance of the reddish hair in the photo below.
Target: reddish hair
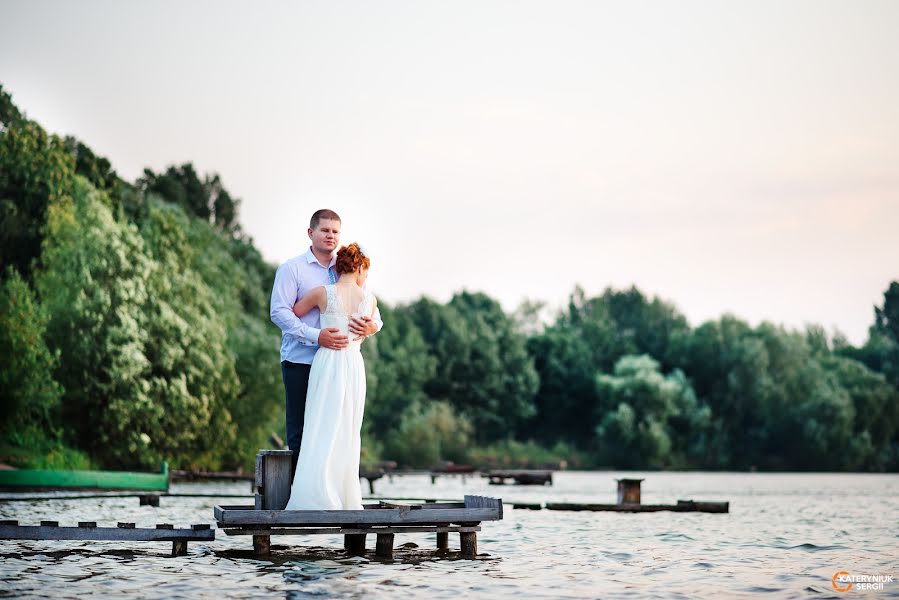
{"x": 351, "y": 259}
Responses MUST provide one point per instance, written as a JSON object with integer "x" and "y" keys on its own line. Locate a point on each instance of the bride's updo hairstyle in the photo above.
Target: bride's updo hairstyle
{"x": 350, "y": 259}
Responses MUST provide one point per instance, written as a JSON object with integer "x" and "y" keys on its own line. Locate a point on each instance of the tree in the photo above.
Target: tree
{"x": 35, "y": 171}
{"x": 28, "y": 393}
{"x": 646, "y": 418}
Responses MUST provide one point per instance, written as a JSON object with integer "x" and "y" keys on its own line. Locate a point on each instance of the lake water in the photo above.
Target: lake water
{"x": 786, "y": 535}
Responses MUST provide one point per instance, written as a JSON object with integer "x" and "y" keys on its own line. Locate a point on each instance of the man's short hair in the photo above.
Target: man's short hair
{"x": 324, "y": 213}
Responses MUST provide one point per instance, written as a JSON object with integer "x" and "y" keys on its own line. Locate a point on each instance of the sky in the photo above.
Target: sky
{"x": 728, "y": 157}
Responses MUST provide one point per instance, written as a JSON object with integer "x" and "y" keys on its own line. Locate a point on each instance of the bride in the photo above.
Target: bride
{"x": 327, "y": 475}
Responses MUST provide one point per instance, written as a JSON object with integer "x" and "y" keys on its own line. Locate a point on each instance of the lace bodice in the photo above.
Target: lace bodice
{"x": 336, "y": 315}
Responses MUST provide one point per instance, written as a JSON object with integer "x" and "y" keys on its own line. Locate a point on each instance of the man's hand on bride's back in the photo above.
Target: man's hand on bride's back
{"x": 332, "y": 338}
{"x": 362, "y": 327}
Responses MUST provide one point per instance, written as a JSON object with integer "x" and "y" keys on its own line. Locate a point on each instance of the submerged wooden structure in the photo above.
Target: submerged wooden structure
{"x": 451, "y": 469}
{"x": 111, "y": 480}
{"x": 88, "y": 530}
{"x": 520, "y": 476}
{"x": 267, "y": 516}
{"x": 629, "y": 501}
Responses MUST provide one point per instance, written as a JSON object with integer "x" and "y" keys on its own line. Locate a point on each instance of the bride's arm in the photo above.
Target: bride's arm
{"x": 313, "y": 298}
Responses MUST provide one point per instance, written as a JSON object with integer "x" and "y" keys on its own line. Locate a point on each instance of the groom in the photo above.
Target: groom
{"x": 302, "y": 336}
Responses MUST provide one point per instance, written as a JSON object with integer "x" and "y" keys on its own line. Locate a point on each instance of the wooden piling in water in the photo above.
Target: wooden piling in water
{"x": 384, "y": 545}
{"x": 469, "y": 542}
{"x": 354, "y": 544}
{"x": 628, "y": 491}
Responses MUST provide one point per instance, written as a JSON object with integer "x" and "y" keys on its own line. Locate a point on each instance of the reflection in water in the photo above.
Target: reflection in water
{"x": 786, "y": 535}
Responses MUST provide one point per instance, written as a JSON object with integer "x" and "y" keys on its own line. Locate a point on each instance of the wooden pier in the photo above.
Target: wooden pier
{"x": 463, "y": 471}
{"x": 88, "y": 530}
{"x": 267, "y": 516}
{"x": 520, "y": 477}
{"x": 384, "y": 520}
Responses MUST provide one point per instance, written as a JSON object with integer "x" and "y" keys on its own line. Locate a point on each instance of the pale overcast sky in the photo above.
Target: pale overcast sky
{"x": 734, "y": 157}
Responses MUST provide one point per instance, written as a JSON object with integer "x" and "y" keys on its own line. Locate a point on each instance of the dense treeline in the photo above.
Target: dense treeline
{"x": 134, "y": 329}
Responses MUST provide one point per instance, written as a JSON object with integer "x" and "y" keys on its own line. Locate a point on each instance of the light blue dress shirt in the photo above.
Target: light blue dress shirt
{"x": 293, "y": 280}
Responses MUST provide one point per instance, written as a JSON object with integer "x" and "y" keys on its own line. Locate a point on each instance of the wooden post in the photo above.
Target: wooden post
{"x": 179, "y": 548}
{"x": 273, "y": 478}
{"x": 629, "y": 491}
{"x": 469, "y": 541}
{"x": 384, "y": 545}
{"x": 442, "y": 540}
{"x": 149, "y": 499}
{"x": 262, "y": 545}
{"x": 354, "y": 544}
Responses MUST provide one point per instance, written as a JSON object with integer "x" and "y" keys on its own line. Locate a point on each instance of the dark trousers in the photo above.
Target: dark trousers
{"x": 296, "y": 380}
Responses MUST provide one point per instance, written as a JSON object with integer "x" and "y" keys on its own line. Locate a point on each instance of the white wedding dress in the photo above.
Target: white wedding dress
{"x": 327, "y": 475}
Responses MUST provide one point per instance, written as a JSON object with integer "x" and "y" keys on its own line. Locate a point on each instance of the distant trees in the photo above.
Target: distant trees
{"x": 206, "y": 198}
{"x": 134, "y": 328}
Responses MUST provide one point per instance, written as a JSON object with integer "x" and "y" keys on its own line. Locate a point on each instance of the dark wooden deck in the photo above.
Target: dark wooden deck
{"x": 384, "y": 519}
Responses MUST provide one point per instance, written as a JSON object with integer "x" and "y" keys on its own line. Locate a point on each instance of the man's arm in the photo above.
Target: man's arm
{"x": 284, "y": 295}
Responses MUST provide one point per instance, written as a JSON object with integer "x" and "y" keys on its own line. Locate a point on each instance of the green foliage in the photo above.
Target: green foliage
{"x": 483, "y": 367}
{"x": 35, "y": 170}
{"x": 29, "y": 396}
{"x": 427, "y": 434}
{"x": 647, "y": 418}
{"x": 399, "y": 367}
{"x": 204, "y": 198}
{"x": 512, "y": 454}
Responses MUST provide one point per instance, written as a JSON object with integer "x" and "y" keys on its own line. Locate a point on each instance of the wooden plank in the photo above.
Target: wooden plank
{"x": 385, "y": 516}
{"x": 276, "y": 465}
{"x": 124, "y": 480}
{"x": 37, "y": 532}
{"x": 383, "y": 504}
{"x": 350, "y": 531}
{"x": 712, "y": 507}
{"x": 485, "y": 502}
{"x": 257, "y": 480}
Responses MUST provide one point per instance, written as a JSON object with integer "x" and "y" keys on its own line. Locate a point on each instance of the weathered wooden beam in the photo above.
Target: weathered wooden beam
{"x": 480, "y": 502}
{"x": 347, "y": 531}
{"x": 234, "y": 516}
{"x": 42, "y": 532}
{"x": 681, "y": 506}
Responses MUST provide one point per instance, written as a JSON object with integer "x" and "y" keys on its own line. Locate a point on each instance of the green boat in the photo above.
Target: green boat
{"x": 109, "y": 480}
